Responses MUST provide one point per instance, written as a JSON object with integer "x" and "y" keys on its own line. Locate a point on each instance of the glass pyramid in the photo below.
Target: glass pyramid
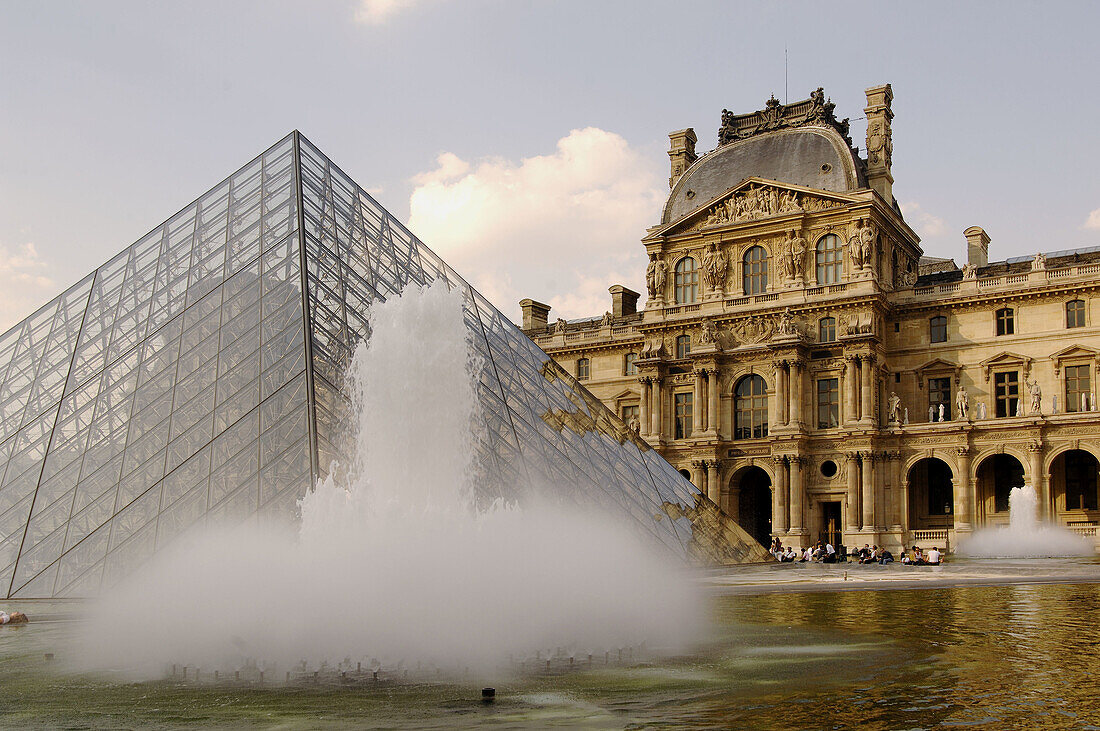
{"x": 198, "y": 376}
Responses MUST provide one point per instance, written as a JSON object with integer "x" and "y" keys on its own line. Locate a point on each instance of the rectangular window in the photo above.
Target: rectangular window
{"x": 1007, "y": 392}
{"x": 1006, "y": 321}
{"x": 828, "y": 403}
{"x": 1075, "y": 313}
{"x": 937, "y": 329}
{"x": 630, "y": 414}
{"x": 683, "y": 403}
{"x": 630, "y": 365}
{"x": 683, "y": 346}
{"x": 826, "y": 330}
{"x": 939, "y": 392}
{"x": 582, "y": 369}
{"x": 1077, "y": 387}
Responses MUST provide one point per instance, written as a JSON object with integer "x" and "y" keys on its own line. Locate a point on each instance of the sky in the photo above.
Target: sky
{"x": 526, "y": 142}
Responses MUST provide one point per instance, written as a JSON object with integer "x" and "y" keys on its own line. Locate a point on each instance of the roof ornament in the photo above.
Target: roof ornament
{"x": 817, "y": 110}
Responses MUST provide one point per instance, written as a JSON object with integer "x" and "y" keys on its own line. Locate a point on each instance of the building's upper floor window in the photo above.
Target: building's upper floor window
{"x": 1006, "y": 321}
{"x": 939, "y": 395}
{"x": 683, "y": 346}
{"x": 828, "y": 403}
{"x": 830, "y": 259}
{"x": 750, "y": 409}
{"x": 582, "y": 369}
{"x": 1075, "y": 313}
{"x": 683, "y": 404}
{"x": 755, "y": 270}
{"x": 1078, "y": 388}
{"x": 1006, "y": 392}
{"x": 630, "y": 364}
{"x": 826, "y": 329}
{"x": 937, "y": 329}
{"x": 686, "y": 281}
{"x": 630, "y": 415}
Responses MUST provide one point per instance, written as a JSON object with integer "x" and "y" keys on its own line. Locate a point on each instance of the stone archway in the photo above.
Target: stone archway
{"x": 996, "y": 476}
{"x": 1075, "y": 487}
{"x": 751, "y": 492}
{"x": 931, "y": 495}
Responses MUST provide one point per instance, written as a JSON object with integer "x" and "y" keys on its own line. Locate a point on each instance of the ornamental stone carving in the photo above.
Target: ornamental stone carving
{"x": 715, "y": 265}
{"x": 792, "y": 260}
{"x": 753, "y": 329}
{"x": 817, "y": 110}
{"x": 784, "y": 324}
{"x": 656, "y": 274}
{"x": 709, "y": 334}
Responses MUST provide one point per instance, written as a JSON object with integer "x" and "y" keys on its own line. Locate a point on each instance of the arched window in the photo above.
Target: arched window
{"x": 937, "y": 329}
{"x": 582, "y": 369}
{"x": 687, "y": 281}
{"x": 755, "y": 270}
{"x": 826, "y": 329}
{"x": 830, "y": 259}
{"x": 1075, "y": 313}
{"x": 683, "y": 346}
{"x": 1006, "y": 321}
{"x": 750, "y": 412}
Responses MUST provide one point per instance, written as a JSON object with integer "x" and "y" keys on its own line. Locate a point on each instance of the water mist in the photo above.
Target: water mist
{"x": 1025, "y": 536}
{"x": 397, "y": 565}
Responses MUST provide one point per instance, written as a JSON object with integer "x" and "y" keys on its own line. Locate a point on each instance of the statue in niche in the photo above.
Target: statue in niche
{"x": 866, "y": 244}
{"x": 793, "y": 260}
{"x": 786, "y": 266}
{"x": 714, "y": 268}
{"x": 1036, "y": 393}
{"x": 942, "y": 414}
{"x": 893, "y": 408}
{"x": 962, "y": 404}
{"x": 655, "y": 275}
{"x": 905, "y": 416}
{"x": 855, "y": 248}
{"x": 931, "y": 414}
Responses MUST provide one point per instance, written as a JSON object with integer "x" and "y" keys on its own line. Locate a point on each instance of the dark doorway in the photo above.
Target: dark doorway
{"x": 754, "y": 504}
{"x": 830, "y": 522}
{"x": 931, "y": 495}
{"x": 996, "y": 478}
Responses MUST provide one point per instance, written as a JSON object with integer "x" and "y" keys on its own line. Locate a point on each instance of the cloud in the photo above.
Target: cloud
{"x": 560, "y": 228}
{"x": 377, "y": 12}
{"x": 24, "y": 284}
{"x": 923, "y": 222}
{"x": 1093, "y": 221}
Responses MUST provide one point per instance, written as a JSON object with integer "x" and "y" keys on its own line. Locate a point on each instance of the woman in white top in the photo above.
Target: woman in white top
{"x": 13, "y": 618}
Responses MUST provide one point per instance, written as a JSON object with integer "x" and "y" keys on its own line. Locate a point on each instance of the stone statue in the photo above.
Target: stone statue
{"x": 786, "y": 265}
{"x": 855, "y": 250}
{"x": 559, "y": 326}
{"x": 962, "y": 403}
{"x": 605, "y": 321}
{"x": 905, "y": 415}
{"x": 1019, "y": 407}
{"x": 894, "y": 406}
{"x": 969, "y": 271}
{"x": 931, "y": 414}
{"x": 1039, "y": 262}
{"x": 785, "y": 323}
{"x": 634, "y": 425}
{"x": 942, "y": 416}
{"x": 709, "y": 334}
{"x": 981, "y": 409}
{"x": 714, "y": 268}
{"x": 793, "y": 260}
{"x": 1036, "y": 393}
{"x": 867, "y": 244}
{"x": 655, "y": 275}
{"x": 1054, "y": 404}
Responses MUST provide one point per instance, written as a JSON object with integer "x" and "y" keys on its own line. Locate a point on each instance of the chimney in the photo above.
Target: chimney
{"x": 977, "y": 246}
{"x": 880, "y": 143}
{"x": 623, "y": 301}
{"x": 682, "y": 152}
{"x": 534, "y": 314}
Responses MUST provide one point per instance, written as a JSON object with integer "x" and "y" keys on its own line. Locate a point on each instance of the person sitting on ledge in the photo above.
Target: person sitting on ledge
{"x": 830, "y": 554}
{"x": 934, "y": 556}
{"x": 790, "y": 555}
{"x": 905, "y": 556}
{"x": 918, "y": 557}
{"x": 13, "y": 618}
{"x": 865, "y": 554}
{"x": 808, "y": 554}
{"x": 885, "y": 557}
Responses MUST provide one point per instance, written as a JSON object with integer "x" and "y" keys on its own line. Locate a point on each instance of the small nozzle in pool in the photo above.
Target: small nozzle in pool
{"x": 488, "y": 695}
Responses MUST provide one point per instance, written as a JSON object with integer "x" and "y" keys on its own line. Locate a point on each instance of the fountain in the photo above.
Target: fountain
{"x": 1025, "y": 536}
{"x": 397, "y": 566}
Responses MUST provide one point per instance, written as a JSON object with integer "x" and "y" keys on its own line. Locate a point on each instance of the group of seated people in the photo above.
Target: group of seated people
{"x": 824, "y": 552}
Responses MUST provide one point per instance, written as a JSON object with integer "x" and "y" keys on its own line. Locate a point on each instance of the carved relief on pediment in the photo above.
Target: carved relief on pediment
{"x": 753, "y": 329}
{"x": 759, "y": 201}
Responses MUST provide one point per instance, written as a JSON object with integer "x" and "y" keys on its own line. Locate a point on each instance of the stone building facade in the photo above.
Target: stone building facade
{"x": 817, "y": 376}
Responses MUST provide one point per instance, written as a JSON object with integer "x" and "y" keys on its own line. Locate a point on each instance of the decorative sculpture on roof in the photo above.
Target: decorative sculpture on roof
{"x": 605, "y": 321}
{"x": 655, "y": 275}
{"x": 815, "y": 110}
{"x": 1039, "y": 262}
{"x": 715, "y": 264}
{"x": 758, "y": 201}
{"x": 970, "y": 271}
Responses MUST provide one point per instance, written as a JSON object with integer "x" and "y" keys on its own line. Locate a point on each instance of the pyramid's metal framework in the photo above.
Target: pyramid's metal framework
{"x": 197, "y": 376}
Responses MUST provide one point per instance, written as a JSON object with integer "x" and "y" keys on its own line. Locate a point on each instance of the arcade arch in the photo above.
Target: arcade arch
{"x": 931, "y": 494}
{"x": 750, "y": 502}
{"x": 996, "y": 476}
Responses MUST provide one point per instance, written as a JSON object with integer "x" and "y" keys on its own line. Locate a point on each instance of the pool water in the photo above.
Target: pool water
{"x": 998, "y": 657}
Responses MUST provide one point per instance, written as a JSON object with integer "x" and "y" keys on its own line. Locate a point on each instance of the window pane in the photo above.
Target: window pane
{"x": 683, "y": 402}
{"x": 828, "y": 403}
{"x": 938, "y": 329}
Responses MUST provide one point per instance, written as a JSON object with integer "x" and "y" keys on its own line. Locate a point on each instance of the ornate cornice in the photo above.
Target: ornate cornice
{"x": 817, "y": 110}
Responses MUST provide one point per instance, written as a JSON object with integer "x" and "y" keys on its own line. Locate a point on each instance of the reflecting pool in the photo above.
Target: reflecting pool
{"x": 1015, "y": 656}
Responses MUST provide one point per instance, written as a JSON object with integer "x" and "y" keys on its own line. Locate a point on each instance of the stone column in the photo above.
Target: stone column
{"x": 643, "y": 407}
{"x": 712, "y": 401}
{"x": 1039, "y": 480}
{"x": 868, "y": 459}
{"x": 778, "y": 402}
{"x": 898, "y": 491}
{"x": 714, "y": 487}
{"x": 867, "y": 394}
{"x": 779, "y": 496}
{"x": 798, "y": 498}
{"x": 658, "y": 420}
{"x": 851, "y": 518}
{"x": 697, "y": 404}
{"x": 963, "y": 491}
{"x": 699, "y": 475}
{"x": 850, "y": 366}
{"x": 798, "y": 376}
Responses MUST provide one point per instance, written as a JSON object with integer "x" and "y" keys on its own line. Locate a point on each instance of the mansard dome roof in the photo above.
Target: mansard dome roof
{"x": 800, "y": 143}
